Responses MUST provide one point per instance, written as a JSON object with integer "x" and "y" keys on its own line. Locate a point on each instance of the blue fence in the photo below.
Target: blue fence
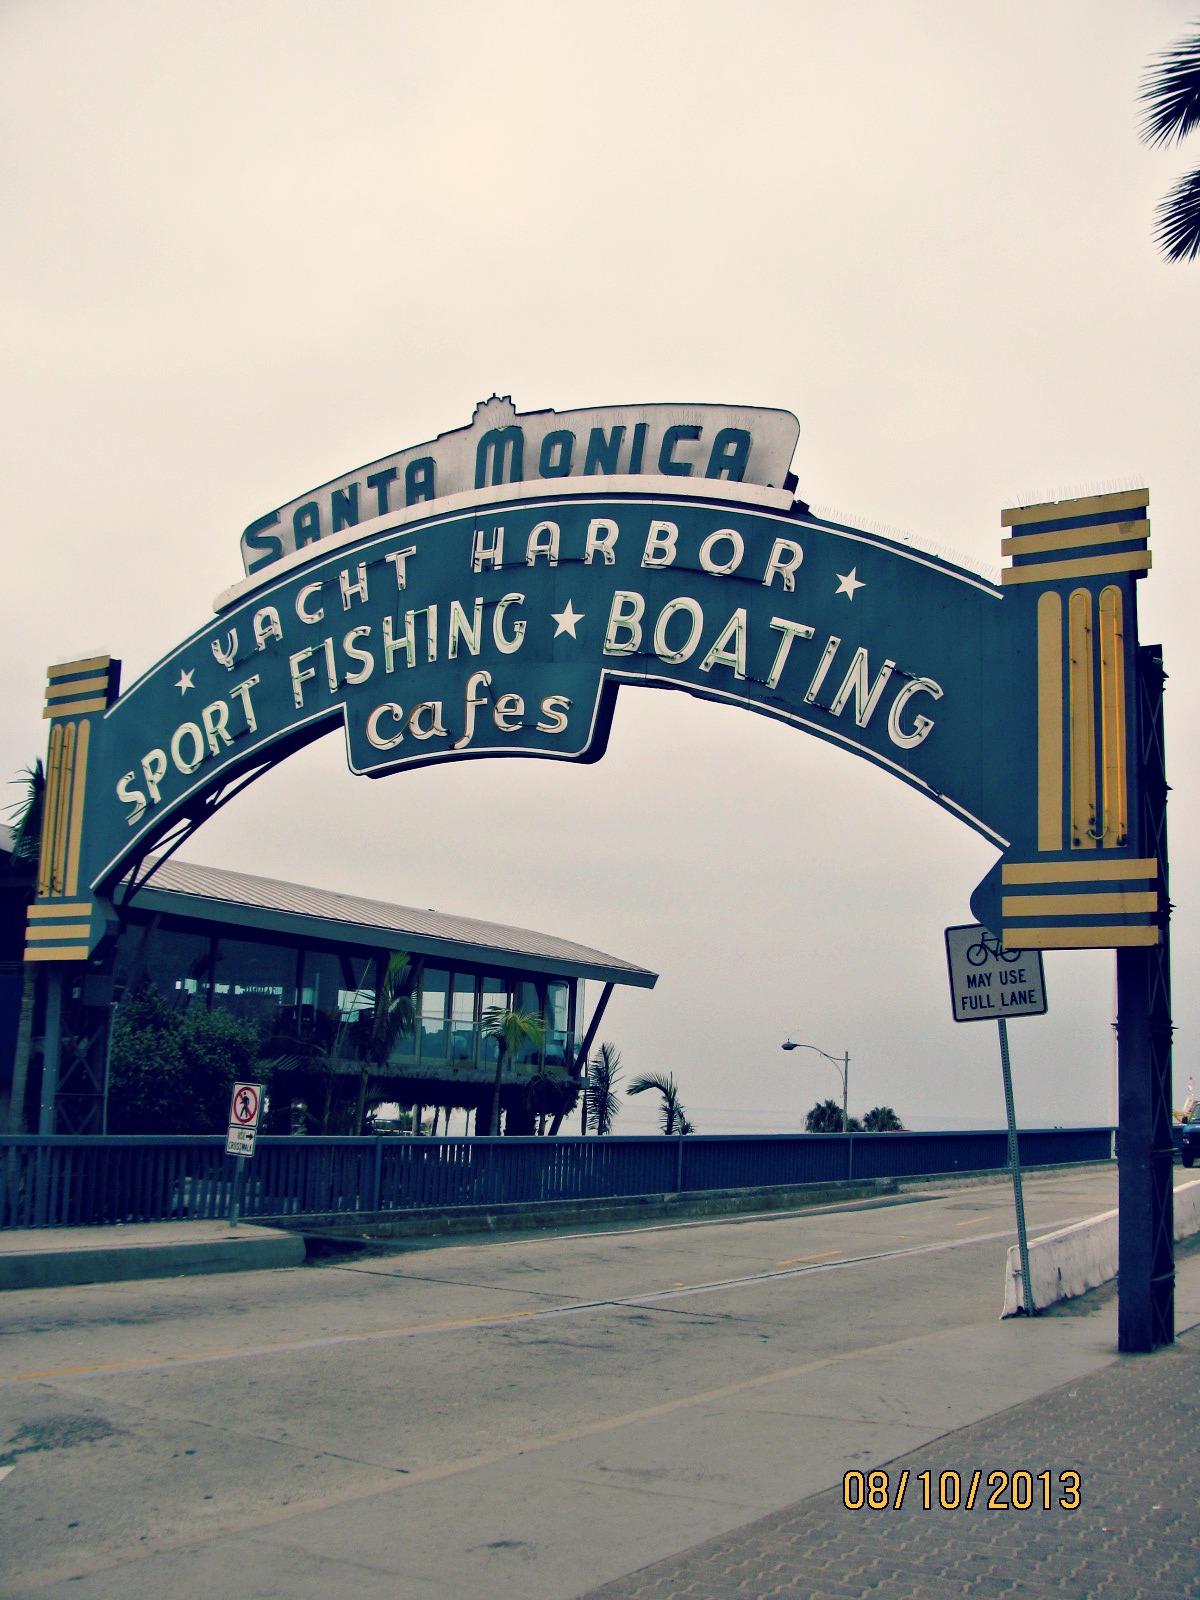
{"x": 72, "y": 1182}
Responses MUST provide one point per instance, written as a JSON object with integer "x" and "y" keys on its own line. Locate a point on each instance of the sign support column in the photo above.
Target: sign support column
{"x": 244, "y": 1111}
{"x": 1145, "y": 1150}
{"x": 989, "y": 979}
{"x": 1014, "y": 1163}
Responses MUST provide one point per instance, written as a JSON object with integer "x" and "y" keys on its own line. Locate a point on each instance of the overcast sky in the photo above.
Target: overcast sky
{"x": 250, "y": 246}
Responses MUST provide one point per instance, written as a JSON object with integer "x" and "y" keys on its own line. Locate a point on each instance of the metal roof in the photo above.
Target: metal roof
{"x": 212, "y": 894}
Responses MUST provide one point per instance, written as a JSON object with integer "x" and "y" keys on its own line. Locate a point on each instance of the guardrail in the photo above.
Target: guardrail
{"x": 48, "y": 1181}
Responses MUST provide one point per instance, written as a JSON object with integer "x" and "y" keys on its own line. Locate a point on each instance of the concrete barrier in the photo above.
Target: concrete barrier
{"x": 431, "y": 1222}
{"x": 1075, "y": 1259}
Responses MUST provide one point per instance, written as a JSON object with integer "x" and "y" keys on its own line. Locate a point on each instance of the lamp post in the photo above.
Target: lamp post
{"x": 842, "y": 1063}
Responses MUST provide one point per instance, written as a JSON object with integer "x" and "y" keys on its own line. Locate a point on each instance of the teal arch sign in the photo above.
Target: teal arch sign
{"x": 487, "y": 594}
{"x": 501, "y": 619}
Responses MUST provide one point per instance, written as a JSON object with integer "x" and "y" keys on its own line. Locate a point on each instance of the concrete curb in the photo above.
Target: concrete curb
{"x": 365, "y": 1227}
{"x": 56, "y": 1263}
{"x": 1073, "y": 1260}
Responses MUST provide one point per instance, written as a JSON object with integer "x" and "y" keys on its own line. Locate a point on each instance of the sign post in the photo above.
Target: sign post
{"x": 244, "y": 1111}
{"x": 989, "y": 980}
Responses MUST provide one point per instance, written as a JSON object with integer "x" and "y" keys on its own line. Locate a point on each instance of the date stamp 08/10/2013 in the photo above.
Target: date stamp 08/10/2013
{"x": 998, "y": 1490}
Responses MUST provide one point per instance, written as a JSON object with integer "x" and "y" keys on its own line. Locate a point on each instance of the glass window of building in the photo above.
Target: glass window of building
{"x": 558, "y": 1023}
{"x": 530, "y": 1001}
{"x": 404, "y": 1045}
{"x": 435, "y": 994}
{"x": 462, "y": 1017}
{"x": 493, "y": 995}
{"x": 176, "y": 963}
{"x": 334, "y": 990}
{"x": 256, "y": 981}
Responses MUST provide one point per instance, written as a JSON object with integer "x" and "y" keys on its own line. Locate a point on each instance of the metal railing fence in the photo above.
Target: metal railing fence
{"x": 48, "y": 1181}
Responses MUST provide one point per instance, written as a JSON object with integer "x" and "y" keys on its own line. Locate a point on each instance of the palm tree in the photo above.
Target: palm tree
{"x": 510, "y": 1029}
{"x": 392, "y": 1016}
{"x": 674, "y": 1119}
{"x": 1171, "y": 95}
{"x": 601, "y": 1101}
{"x": 826, "y": 1117}
{"x": 882, "y": 1119}
{"x": 26, "y": 846}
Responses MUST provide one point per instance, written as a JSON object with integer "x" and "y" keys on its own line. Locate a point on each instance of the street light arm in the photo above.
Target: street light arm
{"x": 794, "y": 1044}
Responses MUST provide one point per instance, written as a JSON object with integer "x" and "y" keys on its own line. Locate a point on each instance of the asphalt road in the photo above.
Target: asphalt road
{"x": 525, "y": 1417}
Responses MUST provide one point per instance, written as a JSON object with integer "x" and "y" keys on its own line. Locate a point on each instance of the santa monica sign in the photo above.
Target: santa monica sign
{"x": 488, "y": 594}
{"x": 740, "y": 443}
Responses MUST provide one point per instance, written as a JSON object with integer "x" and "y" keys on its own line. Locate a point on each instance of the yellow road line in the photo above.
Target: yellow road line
{"x": 269, "y": 1349}
{"x": 794, "y": 1261}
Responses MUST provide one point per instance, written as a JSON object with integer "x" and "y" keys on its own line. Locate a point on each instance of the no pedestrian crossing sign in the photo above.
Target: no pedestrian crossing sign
{"x": 990, "y": 982}
{"x": 244, "y": 1111}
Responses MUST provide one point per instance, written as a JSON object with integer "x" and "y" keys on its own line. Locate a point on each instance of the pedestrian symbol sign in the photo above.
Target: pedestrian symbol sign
{"x": 244, "y": 1111}
{"x": 247, "y": 1101}
{"x": 989, "y": 981}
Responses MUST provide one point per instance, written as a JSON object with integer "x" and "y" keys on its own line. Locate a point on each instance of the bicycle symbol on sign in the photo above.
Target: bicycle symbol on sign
{"x": 988, "y": 948}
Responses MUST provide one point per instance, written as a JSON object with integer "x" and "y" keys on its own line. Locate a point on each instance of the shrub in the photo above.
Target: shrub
{"x": 173, "y": 1071}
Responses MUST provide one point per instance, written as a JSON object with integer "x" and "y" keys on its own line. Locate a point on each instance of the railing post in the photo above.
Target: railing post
{"x": 377, "y": 1190}
{"x": 42, "y": 1186}
{"x": 679, "y": 1165}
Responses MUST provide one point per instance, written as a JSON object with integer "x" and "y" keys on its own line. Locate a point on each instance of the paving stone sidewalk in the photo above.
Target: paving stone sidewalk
{"x": 1131, "y": 1432}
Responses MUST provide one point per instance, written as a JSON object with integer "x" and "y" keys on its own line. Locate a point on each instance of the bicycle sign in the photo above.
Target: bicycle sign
{"x": 989, "y": 981}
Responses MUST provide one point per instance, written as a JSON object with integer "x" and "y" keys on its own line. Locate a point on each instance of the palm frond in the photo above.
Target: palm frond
{"x": 1177, "y": 229}
{"x": 663, "y": 1082}
{"x": 601, "y": 1098}
{"x": 674, "y": 1119}
{"x": 1171, "y": 93}
{"x": 26, "y": 813}
{"x": 511, "y": 1029}
{"x": 393, "y": 1014}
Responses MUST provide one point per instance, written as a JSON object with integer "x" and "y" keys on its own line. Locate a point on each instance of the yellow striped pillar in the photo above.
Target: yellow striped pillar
{"x": 60, "y": 920}
{"x": 1086, "y": 884}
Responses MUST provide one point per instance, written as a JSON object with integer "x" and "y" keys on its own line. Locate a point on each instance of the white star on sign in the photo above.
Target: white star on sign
{"x": 848, "y": 582}
{"x": 185, "y": 681}
{"x": 566, "y": 619}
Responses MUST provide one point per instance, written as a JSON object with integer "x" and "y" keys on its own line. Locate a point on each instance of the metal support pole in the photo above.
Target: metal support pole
{"x": 1014, "y": 1164}
{"x": 1145, "y": 1159}
{"x": 1145, "y": 1150}
{"x": 846, "y": 1094}
{"x": 235, "y": 1199}
{"x": 108, "y": 1044}
{"x": 51, "y": 1050}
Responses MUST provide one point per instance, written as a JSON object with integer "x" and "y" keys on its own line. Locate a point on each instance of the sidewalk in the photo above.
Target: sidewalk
{"x": 42, "y": 1258}
{"x": 1132, "y": 1434}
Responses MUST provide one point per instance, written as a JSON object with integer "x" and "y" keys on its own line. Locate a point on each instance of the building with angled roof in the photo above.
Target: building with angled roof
{"x": 303, "y": 966}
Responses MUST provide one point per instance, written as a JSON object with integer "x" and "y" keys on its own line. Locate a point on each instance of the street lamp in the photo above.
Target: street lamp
{"x": 842, "y": 1063}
